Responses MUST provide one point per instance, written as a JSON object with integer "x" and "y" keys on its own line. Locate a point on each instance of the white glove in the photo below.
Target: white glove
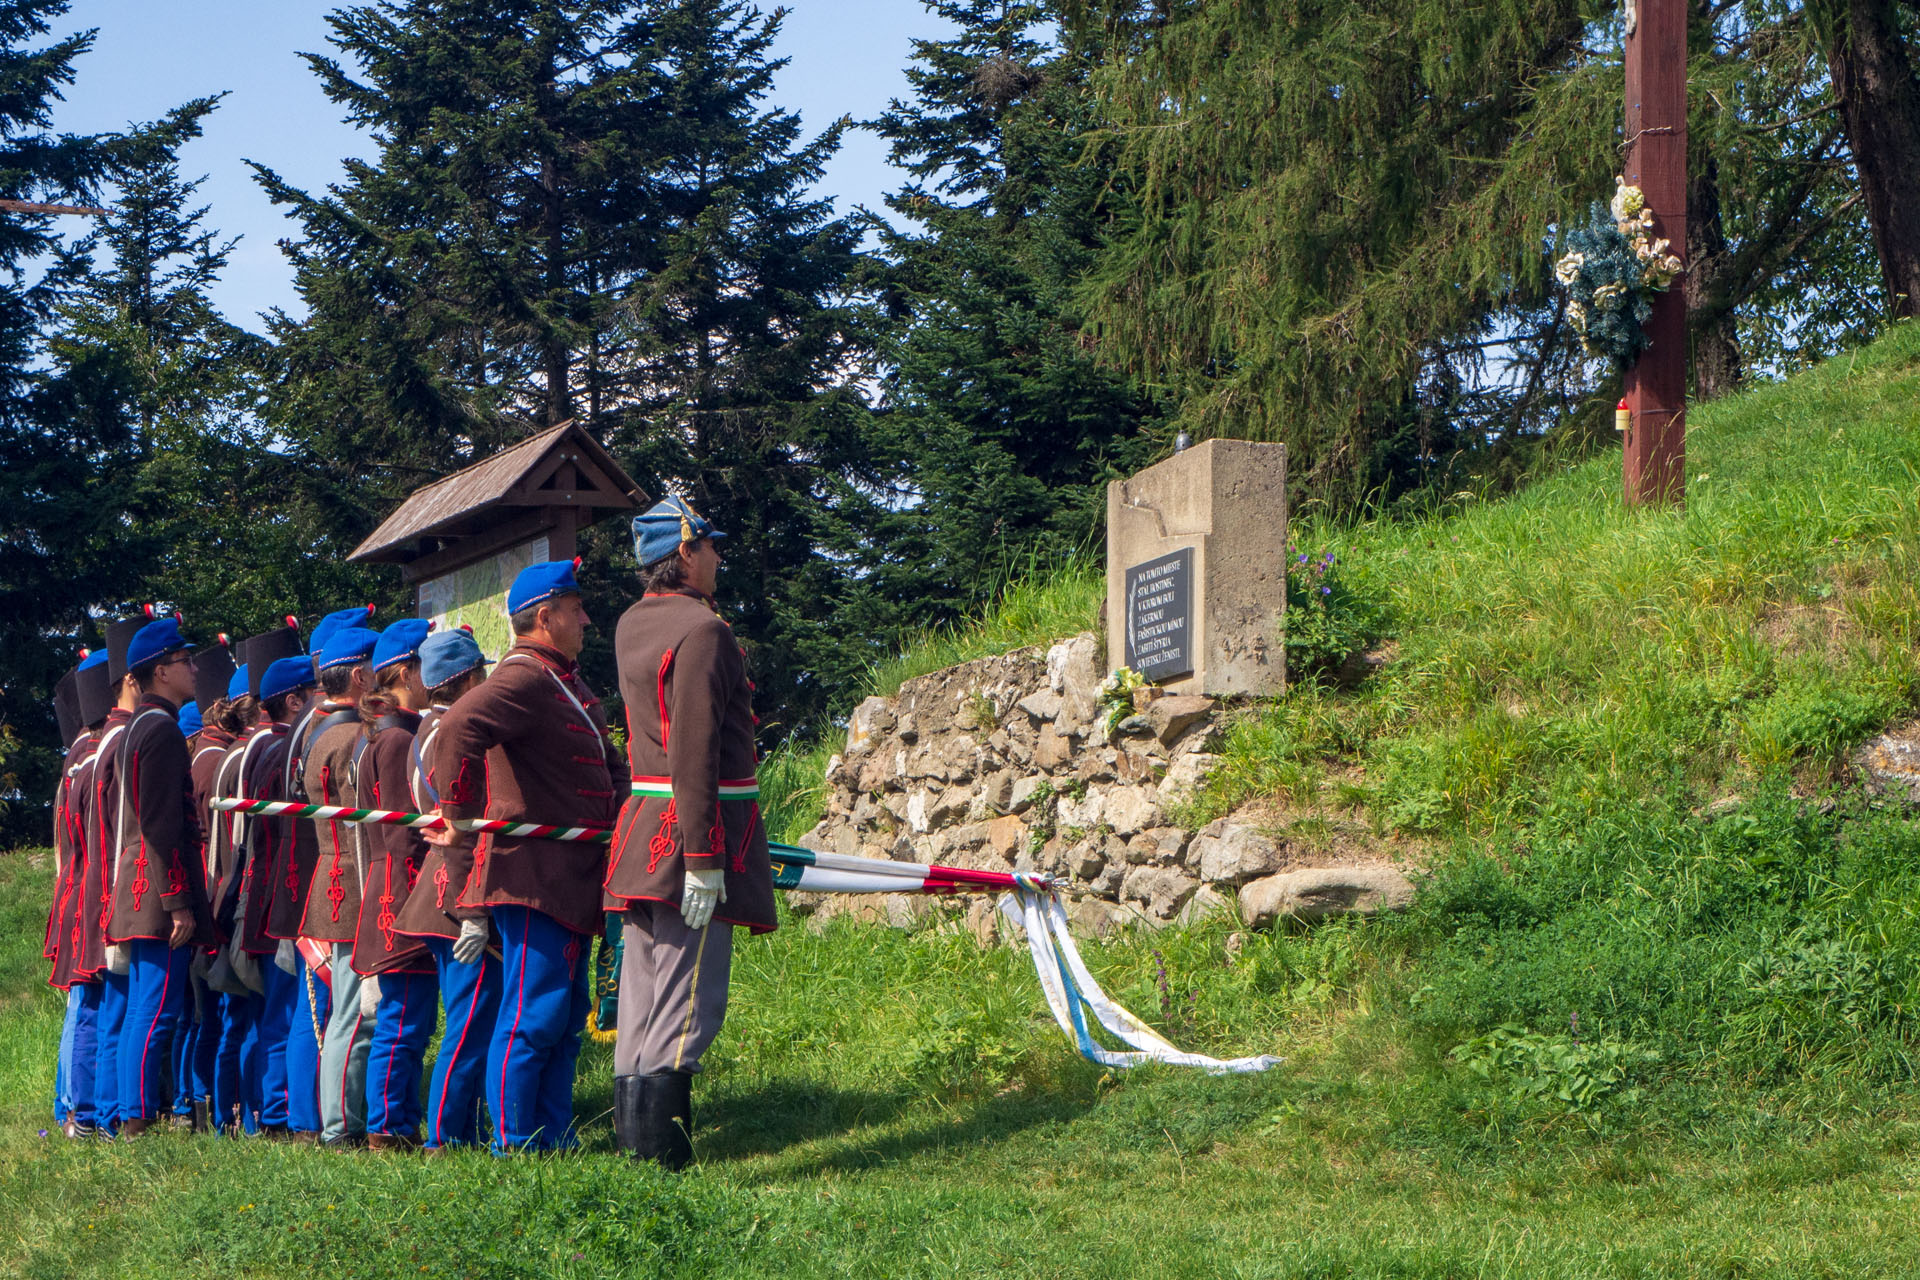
{"x": 118, "y": 960}
{"x": 705, "y": 890}
{"x": 369, "y": 997}
{"x": 286, "y": 957}
{"x": 472, "y": 941}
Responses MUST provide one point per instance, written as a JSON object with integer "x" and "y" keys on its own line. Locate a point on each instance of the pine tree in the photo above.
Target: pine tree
{"x": 61, "y": 463}
{"x": 580, "y": 210}
{"x": 1004, "y": 426}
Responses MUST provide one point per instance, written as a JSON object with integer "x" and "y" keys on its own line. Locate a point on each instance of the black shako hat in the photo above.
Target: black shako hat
{"x": 119, "y": 635}
{"x": 66, "y": 707}
{"x": 93, "y": 689}
{"x": 267, "y": 648}
{"x": 213, "y": 668}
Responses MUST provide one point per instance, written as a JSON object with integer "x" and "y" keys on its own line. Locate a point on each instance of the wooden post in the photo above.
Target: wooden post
{"x": 1654, "y": 464}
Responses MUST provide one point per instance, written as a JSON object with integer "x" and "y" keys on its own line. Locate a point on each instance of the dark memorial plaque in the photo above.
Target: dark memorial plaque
{"x": 1160, "y": 616}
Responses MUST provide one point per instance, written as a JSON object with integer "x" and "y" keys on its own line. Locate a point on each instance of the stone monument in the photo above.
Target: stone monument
{"x": 1197, "y": 570}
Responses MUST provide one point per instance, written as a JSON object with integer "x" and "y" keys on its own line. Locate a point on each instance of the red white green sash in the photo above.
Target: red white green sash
{"x": 730, "y": 788}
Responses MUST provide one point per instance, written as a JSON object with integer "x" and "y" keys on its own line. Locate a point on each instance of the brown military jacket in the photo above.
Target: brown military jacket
{"x": 333, "y": 894}
{"x": 227, "y": 846}
{"x": 209, "y": 750}
{"x": 434, "y": 911}
{"x": 531, "y": 745}
{"x": 690, "y": 742}
{"x": 153, "y": 835}
{"x": 70, "y": 843}
{"x": 396, "y": 854}
{"x": 261, "y": 767}
{"x": 297, "y": 844}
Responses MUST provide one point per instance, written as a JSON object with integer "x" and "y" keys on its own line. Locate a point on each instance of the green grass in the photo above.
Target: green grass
{"x": 1618, "y": 1035}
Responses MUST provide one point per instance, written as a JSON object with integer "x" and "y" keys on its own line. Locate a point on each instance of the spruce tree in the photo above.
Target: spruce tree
{"x": 580, "y": 209}
{"x": 62, "y": 464}
{"x": 1003, "y": 425}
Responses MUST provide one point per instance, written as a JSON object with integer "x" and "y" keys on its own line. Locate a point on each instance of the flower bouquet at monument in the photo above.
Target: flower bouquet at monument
{"x": 1611, "y": 268}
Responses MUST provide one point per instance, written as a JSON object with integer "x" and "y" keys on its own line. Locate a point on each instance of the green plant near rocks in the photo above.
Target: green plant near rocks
{"x": 1577, "y": 1074}
{"x": 1327, "y": 621}
{"x": 1116, "y": 698}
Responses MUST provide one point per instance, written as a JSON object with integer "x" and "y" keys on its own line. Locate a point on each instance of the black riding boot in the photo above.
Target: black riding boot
{"x": 666, "y": 1125}
{"x": 628, "y": 1091}
{"x": 202, "y": 1115}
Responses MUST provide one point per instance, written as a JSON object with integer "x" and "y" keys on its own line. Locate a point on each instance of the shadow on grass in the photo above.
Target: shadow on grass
{"x": 860, "y": 1129}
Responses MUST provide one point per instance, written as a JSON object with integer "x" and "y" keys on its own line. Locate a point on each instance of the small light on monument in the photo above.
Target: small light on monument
{"x": 1622, "y": 416}
{"x": 1181, "y": 441}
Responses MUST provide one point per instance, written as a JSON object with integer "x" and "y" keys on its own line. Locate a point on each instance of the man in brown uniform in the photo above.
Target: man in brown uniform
{"x": 531, "y": 745}
{"x": 689, "y": 856}
{"x": 158, "y": 906}
{"x": 335, "y": 740}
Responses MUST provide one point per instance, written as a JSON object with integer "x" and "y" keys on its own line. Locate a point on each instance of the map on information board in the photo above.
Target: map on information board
{"x": 476, "y": 596}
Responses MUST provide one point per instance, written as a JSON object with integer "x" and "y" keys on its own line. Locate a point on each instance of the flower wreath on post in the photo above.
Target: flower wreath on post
{"x": 1611, "y": 269}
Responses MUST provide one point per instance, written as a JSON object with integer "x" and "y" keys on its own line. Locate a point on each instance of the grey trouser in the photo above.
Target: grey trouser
{"x": 673, "y": 990}
{"x": 343, "y": 1054}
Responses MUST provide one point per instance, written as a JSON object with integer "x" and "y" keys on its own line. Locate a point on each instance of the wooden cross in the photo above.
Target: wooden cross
{"x": 1654, "y": 463}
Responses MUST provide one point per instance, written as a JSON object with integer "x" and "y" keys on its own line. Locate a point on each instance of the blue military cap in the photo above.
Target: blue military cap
{"x": 447, "y": 655}
{"x": 287, "y": 675}
{"x": 660, "y": 529}
{"x": 348, "y": 646}
{"x": 323, "y": 630}
{"x": 238, "y": 686}
{"x": 155, "y": 641}
{"x": 190, "y": 721}
{"x": 400, "y": 642}
{"x": 92, "y": 660}
{"x": 539, "y": 583}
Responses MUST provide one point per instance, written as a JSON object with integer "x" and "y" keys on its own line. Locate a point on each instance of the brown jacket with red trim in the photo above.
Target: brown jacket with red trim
{"x": 341, "y": 848}
{"x": 297, "y": 843}
{"x": 262, "y": 765}
{"x": 435, "y": 910}
{"x": 689, "y": 720}
{"x": 395, "y": 854}
{"x": 152, "y": 831}
{"x": 531, "y": 745}
{"x": 70, "y": 844}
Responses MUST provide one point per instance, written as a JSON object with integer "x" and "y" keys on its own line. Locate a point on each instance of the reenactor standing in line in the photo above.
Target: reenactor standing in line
{"x": 108, "y": 963}
{"x": 195, "y": 1065}
{"x": 71, "y": 967}
{"x": 334, "y": 741}
{"x": 284, "y": 686}
{"x": 398, "y": 992}
{"x": 466, "y": 969}
{"x": 237, "y": 1086}
{"x": 531, "y": 745}
{"x": 689, "y": 858}
{"x": 78, "y": 741}
{"x": 159, "y": 898}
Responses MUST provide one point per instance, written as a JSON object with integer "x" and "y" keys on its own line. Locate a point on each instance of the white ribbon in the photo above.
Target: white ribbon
{"x": 1071, "y": 990}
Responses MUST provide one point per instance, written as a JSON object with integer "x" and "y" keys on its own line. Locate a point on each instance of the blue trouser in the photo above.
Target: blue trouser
{"x": 313, "y": 1005}
{"x": 470, "y": 993}
{"x": 544, "y": 997}
{"x": 409, "y": 1007}
{"x": 63, "y": 1063}
{"x": 206, "y": 1040}
{"x": 83, "y": 1066}
{"x": 194, "y": 1040}
{"x": 156, "y": 989}
{"x": 236, "y": 1067}
{"x": 270, "y": 1047}
{"x": 106, "y": 1058}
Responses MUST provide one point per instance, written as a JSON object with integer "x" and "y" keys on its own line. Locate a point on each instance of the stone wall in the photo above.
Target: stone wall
{"x": 1023, "y": 762}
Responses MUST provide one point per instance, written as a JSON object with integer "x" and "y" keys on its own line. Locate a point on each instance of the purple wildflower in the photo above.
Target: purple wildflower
{"x": 1303, "y": 557}
{"x": 1326, "y": 591}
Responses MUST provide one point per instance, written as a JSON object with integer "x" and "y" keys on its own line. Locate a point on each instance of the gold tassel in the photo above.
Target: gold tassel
{"x": 686, "y": 529}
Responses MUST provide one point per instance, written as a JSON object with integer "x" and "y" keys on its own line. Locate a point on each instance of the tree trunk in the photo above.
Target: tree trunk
{"x": 1880, "y": 104}
{"x": 1714, "y": 338}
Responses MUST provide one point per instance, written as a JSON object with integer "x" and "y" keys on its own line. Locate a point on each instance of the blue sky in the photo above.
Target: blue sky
{"x": 847, "y": 58}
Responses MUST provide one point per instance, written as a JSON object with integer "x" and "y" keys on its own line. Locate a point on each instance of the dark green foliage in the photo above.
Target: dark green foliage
{"x": 581, "y": 209}
{"x": 1000, "y": 422}
{"x": 67, "y": 451}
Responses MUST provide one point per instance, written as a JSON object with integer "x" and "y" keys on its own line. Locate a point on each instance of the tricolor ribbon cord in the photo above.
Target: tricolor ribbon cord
{"x": 1030, "y": 901}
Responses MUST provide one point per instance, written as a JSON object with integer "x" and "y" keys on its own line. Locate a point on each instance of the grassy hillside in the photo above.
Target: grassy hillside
{"x": 1650, "y": 1017}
